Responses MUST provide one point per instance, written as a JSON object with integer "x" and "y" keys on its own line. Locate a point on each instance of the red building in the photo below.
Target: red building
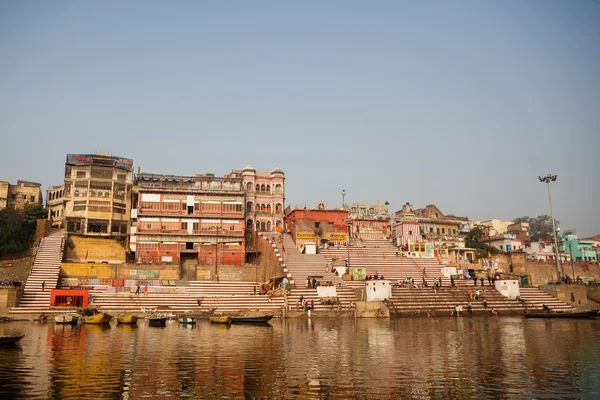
{"x": 197, "y": 218}
{"x": 308, "y": 225}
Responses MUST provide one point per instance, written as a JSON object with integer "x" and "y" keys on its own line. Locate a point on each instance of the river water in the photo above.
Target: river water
{"x": 410, "y": 358}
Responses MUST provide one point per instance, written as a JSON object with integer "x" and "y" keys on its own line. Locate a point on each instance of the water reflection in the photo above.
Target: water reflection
{"x": 305, "y": 359}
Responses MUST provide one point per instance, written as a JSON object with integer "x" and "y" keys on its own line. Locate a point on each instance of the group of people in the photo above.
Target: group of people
{"x": 137, "y": 292}
{"x": 374, "y": 277}
{"x": 305, "y": 305}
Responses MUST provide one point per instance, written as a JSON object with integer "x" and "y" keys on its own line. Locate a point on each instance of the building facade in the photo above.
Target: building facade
{"x": 55, "y": 205}
{"x": 264, "y": 198}
{"x": 578, "y": 249}
{"x": 365, "y": 211}
{"x": 97, "y": 194}
{"x": 16, "y": 197}
{"x": 310, "y": 226}
{"x": 195, "y": 219}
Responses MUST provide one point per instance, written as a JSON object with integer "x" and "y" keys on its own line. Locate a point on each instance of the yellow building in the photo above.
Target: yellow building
{"x": 18, "y": 196}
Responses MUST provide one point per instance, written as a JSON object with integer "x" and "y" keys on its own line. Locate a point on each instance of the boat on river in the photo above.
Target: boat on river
{"x": 127, "y": 319}
{"x": 157, "y": 321}
{"x": 100, "y": 318}
{"x": 574, "y": 314}
{"x": 251, "y": 320}
{"x": 7, "y": 339}
{"x": 67, "y": 319}
{"x": 187, "y": 320}
{"x": 222, "y": 319}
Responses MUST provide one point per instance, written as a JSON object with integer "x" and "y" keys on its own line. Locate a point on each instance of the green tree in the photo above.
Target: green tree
{"x": 17, "y": 228}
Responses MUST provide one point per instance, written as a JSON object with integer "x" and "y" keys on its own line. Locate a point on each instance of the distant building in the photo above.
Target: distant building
{"x": 520, "y": 230}
{"x": 264, "y": 198}
{"x": 445, "y": 232}
{"x": 364, "y": 211}
{"x": 16, "y": 197}
{"x": 579, "y": 249}
{"x": 504, "y": 242}
{"x": 197, "y": 219}
{"x": 496, "y": 225}
{"x": 97, "y": 194}
{"x": 307, "y": 226}
{"x": 55, "y": 205}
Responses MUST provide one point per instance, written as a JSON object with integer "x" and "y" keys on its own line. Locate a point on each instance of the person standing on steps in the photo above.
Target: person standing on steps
{"x": 137, "y": 292}
{"x": 43, "y": 285}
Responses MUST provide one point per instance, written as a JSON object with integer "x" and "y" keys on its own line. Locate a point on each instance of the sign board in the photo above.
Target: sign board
{"x": 379, "y": 290}
{"x": 358, "y": 274}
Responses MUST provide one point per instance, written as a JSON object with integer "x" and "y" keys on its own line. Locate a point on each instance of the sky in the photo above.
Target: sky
{"x": 461, "y": 104}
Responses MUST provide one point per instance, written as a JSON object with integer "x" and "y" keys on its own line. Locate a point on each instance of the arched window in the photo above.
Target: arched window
{"x": 269, "y": 226}
{"x": 278, "y": 189}
{"x": 249, "y": 187}
{"x": 262, "y": 188}
{"x": 268, "y": 188}
{"x": 249, "y": 206}
{"x": 258, "y": 225}
{"x": 278, "y": 207}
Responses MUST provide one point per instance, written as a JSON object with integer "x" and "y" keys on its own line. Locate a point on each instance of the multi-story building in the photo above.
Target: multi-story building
{"x": 445, "y": 232}
{"x": 55, "y": 205}
{"x": 578, "y": 249}
{"x": 494, "y": 225}
{"x": 97, "y": 194}
{"x": 195, "y": 219}
{"x": 264, "y": 198}
{"x": 17, "y": 196}
{"x": 364, "y": 211}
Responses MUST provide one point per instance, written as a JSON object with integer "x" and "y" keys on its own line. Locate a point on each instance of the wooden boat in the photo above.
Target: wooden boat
{"x": 71, "y": 319}
{"x": 100, "y": 318}
{"x": 575, "y": 314}
{"x": 187, "y": 320}
{"x": 157, "y": 321}
{"x": 251, "y": 320}
{"x": 223, "y": 319}
{"x": 10, "y": 339}
{"x": 127, "y": 319}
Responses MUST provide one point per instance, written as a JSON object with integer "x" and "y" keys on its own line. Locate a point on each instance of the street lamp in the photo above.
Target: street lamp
{"x": 348, "y": 222}
{"x": 547, "y": 179}
{"x": 343, "y": 197}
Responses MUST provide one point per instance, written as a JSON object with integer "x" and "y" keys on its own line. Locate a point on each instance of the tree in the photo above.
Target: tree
{"x": 481, "y": 249}
{"x": 539, "y": 227}
{"x": 17, "y": 228}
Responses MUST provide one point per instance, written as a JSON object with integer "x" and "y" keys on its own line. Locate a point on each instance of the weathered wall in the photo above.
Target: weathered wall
{"x": 593, "y": 293}
{"x": 95, "y": 249}
{"x": 9, "y": 297}
{"x": 42, "y": 228}
{"x": 564, "y": 292}
{"x": 371, "y": 309}
{"x": 542, "y": 273}
{"x": 120, "y": 271}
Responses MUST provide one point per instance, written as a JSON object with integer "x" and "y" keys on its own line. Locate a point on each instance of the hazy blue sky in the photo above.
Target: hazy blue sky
{"x": 461, "y": 104}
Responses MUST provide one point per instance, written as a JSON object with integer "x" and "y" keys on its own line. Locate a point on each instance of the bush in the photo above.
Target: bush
{"x": 17, "y": 228}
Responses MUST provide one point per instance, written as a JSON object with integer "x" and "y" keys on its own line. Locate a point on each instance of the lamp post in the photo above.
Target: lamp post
{"x": 571, "y": 255}
{"x": 547, "y": 179}
{"x": 343, "y": 197}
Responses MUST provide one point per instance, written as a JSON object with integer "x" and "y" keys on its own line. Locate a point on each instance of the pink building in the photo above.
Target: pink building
{"x": 264, "y": 198}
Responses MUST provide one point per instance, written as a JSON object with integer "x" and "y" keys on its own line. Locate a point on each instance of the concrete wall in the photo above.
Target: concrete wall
{"x": 542, "y": 273}
{"x": 371, "y": 309}
{"x": 564, "y": 292}
{"x": 593, "y": 293}
{"x": 9, "y": 297}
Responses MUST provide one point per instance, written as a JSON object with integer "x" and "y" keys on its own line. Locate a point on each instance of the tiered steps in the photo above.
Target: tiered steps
{"x": 394, "y": 267}
{"x": 301, "y": 266}
{"x": 46, "y": 268}
{"x": 345, "y": 295}
{"x": 443, "y": 301}
{"x": 534, "y": 298}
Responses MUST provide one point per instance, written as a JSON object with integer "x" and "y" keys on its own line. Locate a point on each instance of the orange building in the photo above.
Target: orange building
{"x": 309, "y": 225}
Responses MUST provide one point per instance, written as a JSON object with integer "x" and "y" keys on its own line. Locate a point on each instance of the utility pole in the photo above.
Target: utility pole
{"x": 547, "y": 179}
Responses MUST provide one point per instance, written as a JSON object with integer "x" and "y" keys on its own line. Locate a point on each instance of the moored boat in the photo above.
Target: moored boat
{"x": 187, "y": 320}
{"x": 127, "y": 319}
{"x": 100, "y": 318}
{"x": 157, "y": 321}
{"x": 222, "y": 319}
{"x": 575, "y": 314}
{"x": 71, "y": 319}
{"x": 249, "y": 320}
{"x": 7, "y": 339}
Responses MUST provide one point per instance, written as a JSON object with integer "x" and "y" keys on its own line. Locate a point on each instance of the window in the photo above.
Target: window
{"x": 317, "y": 225}
{"x": 410, "y": 232}
{"x": 195, "y": 226}
{"x": 68, "y": 169}
{"x": 102, "y": 173}
{"x": 438, "y": 230}
{"x": 211, "y": 207}
{"x": 81, "y": 174}
{"x": 13, "y": 196}
{"x": 443, "y": 230}
{"x": 454, "y": 231}
{"x": 430, "y": 230}
{"x": 232, "y": 207}
{"x": 184, "y": 226}
{"x": 24, "y": 196}
{"x": 170, "y": 206}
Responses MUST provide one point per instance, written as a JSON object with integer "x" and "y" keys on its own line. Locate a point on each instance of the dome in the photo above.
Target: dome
{"x": 277, "y": 171}
{"x": 249, "y": 168}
